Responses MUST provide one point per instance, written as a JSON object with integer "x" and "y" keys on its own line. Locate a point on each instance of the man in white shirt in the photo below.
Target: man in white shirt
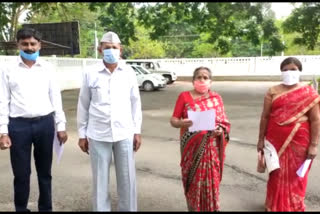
{"x": 30, "y": 111}
{"x": 109, "y": 121}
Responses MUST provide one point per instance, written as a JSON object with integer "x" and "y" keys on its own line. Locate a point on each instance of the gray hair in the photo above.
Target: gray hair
{"x": 196, "y": 71}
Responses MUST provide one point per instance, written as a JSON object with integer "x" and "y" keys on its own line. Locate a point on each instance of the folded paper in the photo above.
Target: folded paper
{"x": 303, "y": 168}
{"x": 271, "y": 156}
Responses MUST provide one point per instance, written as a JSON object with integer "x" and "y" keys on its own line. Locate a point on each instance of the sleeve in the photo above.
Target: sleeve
{"x": 268, "y": 95}
{"x": 84, "y": 100}
{"x": 56, "y": 101}
{"x": 4, "y": 102}
{"x": 178, "y": 109}
{"x": 135, "y": 103}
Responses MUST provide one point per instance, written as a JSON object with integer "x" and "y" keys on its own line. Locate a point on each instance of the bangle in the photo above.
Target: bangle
{"x": 5, "y": 134}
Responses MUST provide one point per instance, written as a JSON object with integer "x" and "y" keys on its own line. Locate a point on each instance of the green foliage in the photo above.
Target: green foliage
{"x": 177, "y": 29}
{"x": 9, "y": 16}
{"x": 305, "y": 20}
{"x": 202, "y": 48}
{"x": 144, "y": 47}
{"x": 117, "y": 17}
{"x": 70, "y": 11}
{"x": 224, "y": 22}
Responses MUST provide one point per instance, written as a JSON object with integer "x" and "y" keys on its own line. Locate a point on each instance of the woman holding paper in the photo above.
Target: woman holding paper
{"x": 290, "y": 121}
{"x": 202, "y": 152}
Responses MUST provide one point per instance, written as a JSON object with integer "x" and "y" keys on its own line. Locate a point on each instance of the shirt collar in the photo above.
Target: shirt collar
{"x": 105, "y": 69}
{"x": 37, "y": 63}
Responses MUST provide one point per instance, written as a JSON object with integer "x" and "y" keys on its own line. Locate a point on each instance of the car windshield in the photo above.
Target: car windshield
{"x": 143, "y": 70}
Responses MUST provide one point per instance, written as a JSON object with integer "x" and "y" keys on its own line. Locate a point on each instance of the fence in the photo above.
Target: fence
{"x": 69, "y": 70}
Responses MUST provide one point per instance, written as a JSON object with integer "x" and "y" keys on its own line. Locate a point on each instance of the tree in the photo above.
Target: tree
{"x": 70, "y": 11}
{"x": 224, "y": 22}
{"x": 10, "y": 14}
{"x": 305, "y": 21}
{"x": 117, "y": 17}
{"x": 144, "y": 47}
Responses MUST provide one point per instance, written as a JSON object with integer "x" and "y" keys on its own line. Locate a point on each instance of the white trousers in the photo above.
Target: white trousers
{"x": 101, "y": 157}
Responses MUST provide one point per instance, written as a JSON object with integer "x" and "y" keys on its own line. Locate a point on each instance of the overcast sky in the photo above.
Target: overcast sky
{"x": 282, "y": 9}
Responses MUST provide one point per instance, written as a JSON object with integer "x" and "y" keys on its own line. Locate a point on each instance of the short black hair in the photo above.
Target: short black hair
{"x": 25, "y": 33}
{"x": 291, "y": 60}
{"x": 196, "y": 71}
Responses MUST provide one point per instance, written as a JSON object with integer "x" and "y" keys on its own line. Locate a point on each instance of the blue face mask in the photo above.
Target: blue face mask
{"x": 31, "y": 57}
{"x": 111, "y": 55}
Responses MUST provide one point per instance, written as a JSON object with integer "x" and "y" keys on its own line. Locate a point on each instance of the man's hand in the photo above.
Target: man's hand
{"x": 84, "y": 145}
{"x": 5, "y": 142}
{"x": 136, "y": 142}
{"x": 62, "y": 137}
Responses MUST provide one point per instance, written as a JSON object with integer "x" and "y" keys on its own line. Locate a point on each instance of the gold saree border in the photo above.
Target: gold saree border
{"x": 289, "y": 138}
{"x": 301, "y": 113}
{"x": 291, "y": 90}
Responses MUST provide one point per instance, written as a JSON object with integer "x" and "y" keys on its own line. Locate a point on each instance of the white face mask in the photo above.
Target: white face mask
{"x": 290, "y": 77}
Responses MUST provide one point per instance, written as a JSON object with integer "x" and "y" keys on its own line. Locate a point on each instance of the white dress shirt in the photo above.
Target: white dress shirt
{"x": 29, "y": 92}
{"x": 109, "y": 105}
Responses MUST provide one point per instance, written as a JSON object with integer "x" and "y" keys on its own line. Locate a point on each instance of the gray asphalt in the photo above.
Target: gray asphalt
{"x": 157, "y": 161}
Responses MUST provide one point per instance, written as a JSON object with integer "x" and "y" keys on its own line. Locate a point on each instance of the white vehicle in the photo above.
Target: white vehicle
{"x": 154, "y": 67}
{"x": 147, "y": 80}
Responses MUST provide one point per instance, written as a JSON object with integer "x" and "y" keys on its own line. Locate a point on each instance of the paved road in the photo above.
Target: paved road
{"x": 157, "y": 161}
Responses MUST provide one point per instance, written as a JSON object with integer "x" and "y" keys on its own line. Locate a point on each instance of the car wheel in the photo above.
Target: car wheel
{"x": 148, "y": 86}
{"x": 168, "y": 79}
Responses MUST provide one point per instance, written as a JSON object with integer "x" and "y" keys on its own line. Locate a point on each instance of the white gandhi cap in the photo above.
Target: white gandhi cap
{"x": 110, "y": 37}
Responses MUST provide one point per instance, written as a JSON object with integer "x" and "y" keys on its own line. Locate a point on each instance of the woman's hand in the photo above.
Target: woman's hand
{"x": 260, "y": 146}
{"x": 312, "y": 151}
{"x": 185, "y": 123}
{"x": 217, "y": 132}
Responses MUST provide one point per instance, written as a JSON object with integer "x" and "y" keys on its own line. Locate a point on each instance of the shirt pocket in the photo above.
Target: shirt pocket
{"x": 99, "y": 96}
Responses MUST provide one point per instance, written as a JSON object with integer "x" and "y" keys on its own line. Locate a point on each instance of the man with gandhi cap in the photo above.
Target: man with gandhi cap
{"x": 109, "y": 121}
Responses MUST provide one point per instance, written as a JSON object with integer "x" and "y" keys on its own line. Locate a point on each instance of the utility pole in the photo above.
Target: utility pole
{"x": 95, "y": 40}
{"x": 282, "y": 53}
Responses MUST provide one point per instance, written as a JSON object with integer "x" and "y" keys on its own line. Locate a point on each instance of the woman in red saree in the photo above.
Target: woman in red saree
{"x": 290, "y": 121}
{"x": 202, "y": 152}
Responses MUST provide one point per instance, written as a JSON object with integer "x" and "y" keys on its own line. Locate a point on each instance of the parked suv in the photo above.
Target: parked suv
{"x": 147, "y": 80}
{"x": 154, "y": 67}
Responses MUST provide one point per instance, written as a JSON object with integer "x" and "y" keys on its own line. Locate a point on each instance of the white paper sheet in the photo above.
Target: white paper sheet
{"x": 202, "y": 120}
{"x": 271, "y": 156}
{"x": 303, "y": 168}
{"x": 57, "y": 147}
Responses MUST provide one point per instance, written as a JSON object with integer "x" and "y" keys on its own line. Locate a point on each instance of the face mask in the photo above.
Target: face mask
{"x": 201, "y": 87}
{"x": 31, "y": 57}
{"x": 111, "y": 55}
{"x": 290, "y": 77}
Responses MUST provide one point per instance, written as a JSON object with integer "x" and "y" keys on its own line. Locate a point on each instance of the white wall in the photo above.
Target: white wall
{"x": 69, "y": 70}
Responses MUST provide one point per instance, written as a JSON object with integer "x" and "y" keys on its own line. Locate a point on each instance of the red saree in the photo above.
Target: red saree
{"x": 200, "y": 154}
{"x": 289, "y": 124}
